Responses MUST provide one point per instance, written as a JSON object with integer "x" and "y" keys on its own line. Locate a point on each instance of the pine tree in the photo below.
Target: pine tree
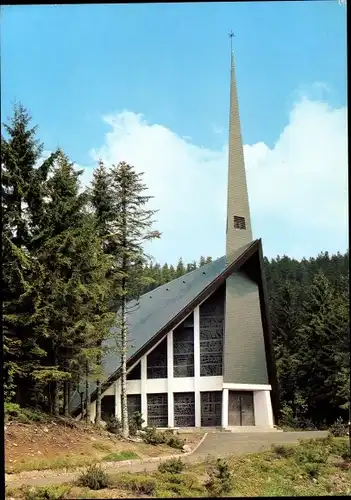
{"x": 131, "y": 229}
{"x": 157, "y": 275}
{"x": 166, "y": 276}
{"x": 191, "y": 266}
{"x": 102, "y": 202}
{"x": 286, "y": 320}
{"x": 172, "y": 273}
{"x": 325, "y": 325}
{"x": 202, "y": 261}
{"x": 71, "y": 284}
{"x": 22, "y": 193}
{"x": 180, "y": 269}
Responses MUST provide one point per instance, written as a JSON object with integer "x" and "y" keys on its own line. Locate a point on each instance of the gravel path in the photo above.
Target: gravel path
{"x": 218, "y": 444}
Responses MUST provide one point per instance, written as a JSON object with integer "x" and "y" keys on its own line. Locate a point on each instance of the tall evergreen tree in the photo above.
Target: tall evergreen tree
{"x": 166, "y": 275}
{"x": 172, "y": 272}
{"x": 70, "y": 281}
{"x": 325, "y": 325}
{"x": 22, "y": 182}
{"x": 202, "y": 261}
{"x": 102, "y": 202}
{"x": 131, "y": 229}
{"x": 180, "y": 269}
{"x": 191, "y": 266}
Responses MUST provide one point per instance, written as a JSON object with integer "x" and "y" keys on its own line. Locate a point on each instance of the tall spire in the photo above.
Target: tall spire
{"x": 238, "y": 211}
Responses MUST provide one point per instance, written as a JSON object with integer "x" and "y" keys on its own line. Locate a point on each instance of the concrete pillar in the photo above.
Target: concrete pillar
{"x": 93, "y": 412}
{"x": 197, "y": 367}
{"x": 225, "y": 399}
{"x": 263, "y": 409}
{"x": 118, "y": 408}
{"x": 170, "y": 384}
{"x": 143, "y": 387}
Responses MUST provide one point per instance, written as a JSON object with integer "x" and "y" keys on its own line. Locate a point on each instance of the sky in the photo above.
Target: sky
{"x": 149, "y": 84}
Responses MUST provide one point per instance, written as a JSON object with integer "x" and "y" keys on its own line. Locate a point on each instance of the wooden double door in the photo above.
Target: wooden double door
{"x": 241, "y": 408}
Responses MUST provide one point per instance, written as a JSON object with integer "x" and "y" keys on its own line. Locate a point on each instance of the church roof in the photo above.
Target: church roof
{"x": 161, "y": 309}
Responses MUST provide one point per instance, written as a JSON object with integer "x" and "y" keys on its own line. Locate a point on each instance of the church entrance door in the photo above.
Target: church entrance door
{"x": 241, "y": 409}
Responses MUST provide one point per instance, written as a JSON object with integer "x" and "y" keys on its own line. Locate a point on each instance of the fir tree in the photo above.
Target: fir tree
{"x": 131, "y": 229}
{"x": 180, "y": 269}
{"x": 172, "y": 272}
{"x": 22, "y": 194}
{"x": 71, "y": 285}
{"x": 166, "y": 276}
{"x": 102, "y": 202}
{"x": 202, "y": 261}
{"x": 325, "y": 325}
{"x": 191, "y": 266}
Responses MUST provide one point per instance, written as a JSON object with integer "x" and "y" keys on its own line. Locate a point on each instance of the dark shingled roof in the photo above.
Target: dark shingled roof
{"x": 155, "y": 309}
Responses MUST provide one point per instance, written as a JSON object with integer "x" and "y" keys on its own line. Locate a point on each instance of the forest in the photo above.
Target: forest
{"x": 73, "y": 256}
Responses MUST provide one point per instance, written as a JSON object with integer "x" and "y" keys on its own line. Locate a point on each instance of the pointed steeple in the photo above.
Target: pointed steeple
{"x": 238, "y": 211}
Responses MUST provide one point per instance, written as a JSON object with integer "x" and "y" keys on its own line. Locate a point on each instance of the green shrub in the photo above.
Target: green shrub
{"x": 13, "y": 411}
{"x": 283, "y": 451}
{"x": 313, "y": 469}
{"x": 114, "y": 425}
{"x": 137, "y": 483}
{"x": 173, "y": 466}
{"x": 34, "y": 415}
{"x": 338, "y": 428}
{"x": 339, "y": 447}
{"x": 94, "y": 478}
{"x": 118, "y": 457}
{"x": 138, "y": 420}
{"x": 153, "y": 436}
{"x": 311, "y": 455}
{"x": 221, "y": 479}
{"x": 47, "y": 492}
{"x": 133, "y": 429}
{"x": 181, "y": 485}
{"x": 176, "y": 442}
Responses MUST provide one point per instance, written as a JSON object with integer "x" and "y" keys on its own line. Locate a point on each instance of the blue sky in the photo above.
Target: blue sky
{"x": 79, "y": 67}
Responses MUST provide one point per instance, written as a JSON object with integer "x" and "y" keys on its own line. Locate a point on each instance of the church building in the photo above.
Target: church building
{"x": 201, "y": 351}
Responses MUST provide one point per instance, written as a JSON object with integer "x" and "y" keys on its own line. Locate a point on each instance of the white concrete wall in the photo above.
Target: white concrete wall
{"x": 263, "y": 409}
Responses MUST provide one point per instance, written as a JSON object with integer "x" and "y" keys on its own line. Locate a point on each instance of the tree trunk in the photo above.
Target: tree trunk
{"x": 56, "y": 395}
{"x": 87, "y": 395}
{"x": 125, "y": 426}
{"x": 98, "y": 403}
{"x": 66, "y": 398}
{"x": 56, "y": 398}
{"x": 98, "y": 394}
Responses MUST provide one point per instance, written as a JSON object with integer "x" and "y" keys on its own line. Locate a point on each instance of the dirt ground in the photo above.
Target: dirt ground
{"x": 26, "y": 443}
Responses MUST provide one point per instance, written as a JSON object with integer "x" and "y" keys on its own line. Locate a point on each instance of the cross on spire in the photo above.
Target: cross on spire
{"x": 231, "y": 34}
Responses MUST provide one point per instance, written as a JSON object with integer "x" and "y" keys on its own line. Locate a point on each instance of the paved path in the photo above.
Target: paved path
{"x": 218, "y": 444}
{"x": 226, "y": 443}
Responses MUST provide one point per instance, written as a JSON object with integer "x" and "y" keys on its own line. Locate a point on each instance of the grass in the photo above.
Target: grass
{"x": 65, "y": 462}
{"x": 118, "y": 457}
{"x": 68, "y": 462}
{"x": 102, "y": 447}
{"x": 312, "y": 468}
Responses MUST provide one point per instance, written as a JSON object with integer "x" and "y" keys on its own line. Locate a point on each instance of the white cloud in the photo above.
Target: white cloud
{"x": 297, "y": 189}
